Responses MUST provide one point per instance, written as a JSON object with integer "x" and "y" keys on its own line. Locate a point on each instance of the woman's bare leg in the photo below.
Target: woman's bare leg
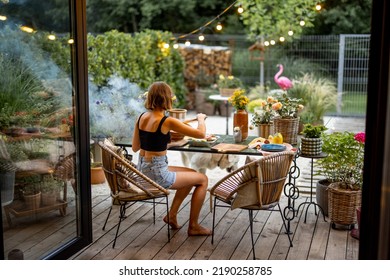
{"x": 187, "y": 178}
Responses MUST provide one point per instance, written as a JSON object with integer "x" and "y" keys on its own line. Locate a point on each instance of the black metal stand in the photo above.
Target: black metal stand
{"x": 311, "y": 202}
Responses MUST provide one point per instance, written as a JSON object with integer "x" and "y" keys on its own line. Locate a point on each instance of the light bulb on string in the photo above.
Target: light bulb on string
{"x": 51, "y": 37}
{"x": 166, "y": 46}
{"x": 302, "y": 23}
{"x": 266, "y": 43}
{"x": 187, "y": 43}
{"x": 175, "y": 45}
{"x": 70, "y": 41}
{"x": 219, "y": 26}
{"x": 318, "y": 7}
{"x": 240, "y": 9}
{"x": 282, "y": 39}
{"x": 201, "y": 37}
{"x": 272, "y": 42}
{"x": 290, "y": 33}
{"x": 3, "y": 18}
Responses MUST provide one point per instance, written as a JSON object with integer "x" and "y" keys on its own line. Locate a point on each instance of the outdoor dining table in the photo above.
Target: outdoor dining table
{"x": 184, "y": 146}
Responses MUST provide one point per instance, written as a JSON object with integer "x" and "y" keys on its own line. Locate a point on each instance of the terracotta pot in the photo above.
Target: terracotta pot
{"x": 240, "y": 119}
{"x": 97, "y": 175}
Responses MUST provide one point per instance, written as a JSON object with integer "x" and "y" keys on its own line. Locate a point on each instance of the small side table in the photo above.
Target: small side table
{"x": 311, "y": 202}
{"x": 218, "y": 97}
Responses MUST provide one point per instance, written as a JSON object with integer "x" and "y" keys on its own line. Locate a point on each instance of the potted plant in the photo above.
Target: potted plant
{"x": 31, "y": 194}
{"x": 311, "y": 142}
{"x": 263, "y": 115}
{"x": 319, "y": 95}
{"x": 50, "y": 190}
{"x": 343, "y": 170}
{"x": 228, "y": 85}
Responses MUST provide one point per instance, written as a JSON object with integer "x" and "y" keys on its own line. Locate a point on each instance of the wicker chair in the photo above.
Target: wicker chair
{"x": 257, "y": 185}
{"x": 128, "y": 185}
{"x": 65, "y": 170}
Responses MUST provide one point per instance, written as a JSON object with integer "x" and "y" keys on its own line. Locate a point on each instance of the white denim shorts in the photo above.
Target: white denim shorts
{"x": 157, "y": 170}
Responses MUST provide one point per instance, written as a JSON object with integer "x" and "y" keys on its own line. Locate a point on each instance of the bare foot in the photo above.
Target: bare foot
{"x": 172, "y": 222}
{"x": 199, "y": 231}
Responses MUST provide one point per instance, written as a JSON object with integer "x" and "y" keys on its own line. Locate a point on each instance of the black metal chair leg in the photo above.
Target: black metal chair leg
{"x": 122, "y": 216}
{"x": 108, "y": 215}
{"x": 251, "y": 229}
{"x": 154, "y": 211}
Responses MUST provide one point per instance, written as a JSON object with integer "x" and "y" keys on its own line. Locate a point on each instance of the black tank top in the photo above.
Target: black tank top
{"x": 154, "y": 141}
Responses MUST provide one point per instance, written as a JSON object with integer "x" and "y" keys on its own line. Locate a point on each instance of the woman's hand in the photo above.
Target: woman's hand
{"x": 201, "y": 117}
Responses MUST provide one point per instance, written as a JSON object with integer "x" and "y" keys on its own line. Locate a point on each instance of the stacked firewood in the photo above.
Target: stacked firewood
{"x": 204, "y": 64}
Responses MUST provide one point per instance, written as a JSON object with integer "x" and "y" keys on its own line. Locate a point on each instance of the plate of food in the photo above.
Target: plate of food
{"x": 205, "y": 142}
{"x": 273, "y": 147}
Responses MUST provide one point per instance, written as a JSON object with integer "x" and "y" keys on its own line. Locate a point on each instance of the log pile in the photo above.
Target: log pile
{"x": 204, "y": 64}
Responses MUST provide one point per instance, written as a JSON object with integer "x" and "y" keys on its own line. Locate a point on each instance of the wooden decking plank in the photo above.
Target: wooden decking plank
{"x": 320, "y": 239}
{"x": 337, "y": 245}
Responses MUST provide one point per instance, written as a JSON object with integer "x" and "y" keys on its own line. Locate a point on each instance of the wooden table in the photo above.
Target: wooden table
{"x": 229, "y": 139}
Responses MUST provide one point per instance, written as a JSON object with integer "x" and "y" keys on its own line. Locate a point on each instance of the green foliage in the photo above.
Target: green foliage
{"x": 272, "y": 19}
{"x": 344, "y": 162}
{"x": 141, "y": 58}
{"x": 313, "y": 131}
{"x": 50, "y": 184}
{"x": 319, "y": 95}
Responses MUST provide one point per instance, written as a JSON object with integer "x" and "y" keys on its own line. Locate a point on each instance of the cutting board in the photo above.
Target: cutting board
{"x": 226, "y": 147}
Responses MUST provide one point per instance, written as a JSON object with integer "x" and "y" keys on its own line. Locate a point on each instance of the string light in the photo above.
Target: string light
{"x": 187, "y": 43}
{"x": 266, "y": 43}
{"x": 51, "y": 37}
{"x": 272, "y": 42}
{"x": 201, "y": 37}
{"x": 205, "y": 25}
{"x": 302, "y": 23}
{"x": 240, "y": 9}
{"x": 70, "y": 41}
{"x": 175, "y": 45}
{"x": 219, "y": 26}
{"x": 166, "y": 46}
{"x": 282, "y": 39}
{"x": 27, "y": 29}
{"x": 318, "y": 7}
{"x": 3, "y": 18}
{"x": 290, "y": 33}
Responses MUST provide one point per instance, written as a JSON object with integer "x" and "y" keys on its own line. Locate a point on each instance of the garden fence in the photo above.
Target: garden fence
{"x": 341, "y": 58}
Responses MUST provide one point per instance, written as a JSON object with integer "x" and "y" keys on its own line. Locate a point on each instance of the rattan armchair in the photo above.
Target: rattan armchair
{"x": 257, "y": 185}
{"x": 128, "y": 185}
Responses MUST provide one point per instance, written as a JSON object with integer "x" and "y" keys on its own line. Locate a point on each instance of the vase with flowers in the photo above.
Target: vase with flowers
{"x": 263, "y": 116}
{"x": 228, "y": 85}
{"x": 240, "y": 118}
{"x": 343, "y": 170}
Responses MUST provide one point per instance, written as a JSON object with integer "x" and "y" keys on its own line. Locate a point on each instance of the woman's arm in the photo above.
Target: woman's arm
{"x": 199, "y": 132}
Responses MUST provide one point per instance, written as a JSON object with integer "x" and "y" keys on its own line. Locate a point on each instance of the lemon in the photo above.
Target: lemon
{"x": 271, "y": 139}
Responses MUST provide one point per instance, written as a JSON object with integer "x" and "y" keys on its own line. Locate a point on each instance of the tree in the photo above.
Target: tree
{"x": 272, "y": 19}
{"x": 343, "y": 17}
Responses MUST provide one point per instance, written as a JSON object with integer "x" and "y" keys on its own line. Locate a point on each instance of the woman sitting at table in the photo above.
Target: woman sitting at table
{"x": 151, "y": 137}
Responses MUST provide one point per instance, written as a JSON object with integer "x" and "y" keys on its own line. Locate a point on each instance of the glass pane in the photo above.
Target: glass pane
{"x": 37, "y": 160}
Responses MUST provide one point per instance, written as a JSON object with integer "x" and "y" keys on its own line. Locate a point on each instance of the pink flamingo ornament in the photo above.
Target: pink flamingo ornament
{"x": 283, "y": 82}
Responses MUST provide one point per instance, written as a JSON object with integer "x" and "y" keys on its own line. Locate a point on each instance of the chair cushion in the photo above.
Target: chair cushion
{"x": 118, "y": 150}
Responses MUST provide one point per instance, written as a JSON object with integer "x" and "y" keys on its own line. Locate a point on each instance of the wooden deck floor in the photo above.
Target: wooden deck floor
{"x": 142, "y": 240}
